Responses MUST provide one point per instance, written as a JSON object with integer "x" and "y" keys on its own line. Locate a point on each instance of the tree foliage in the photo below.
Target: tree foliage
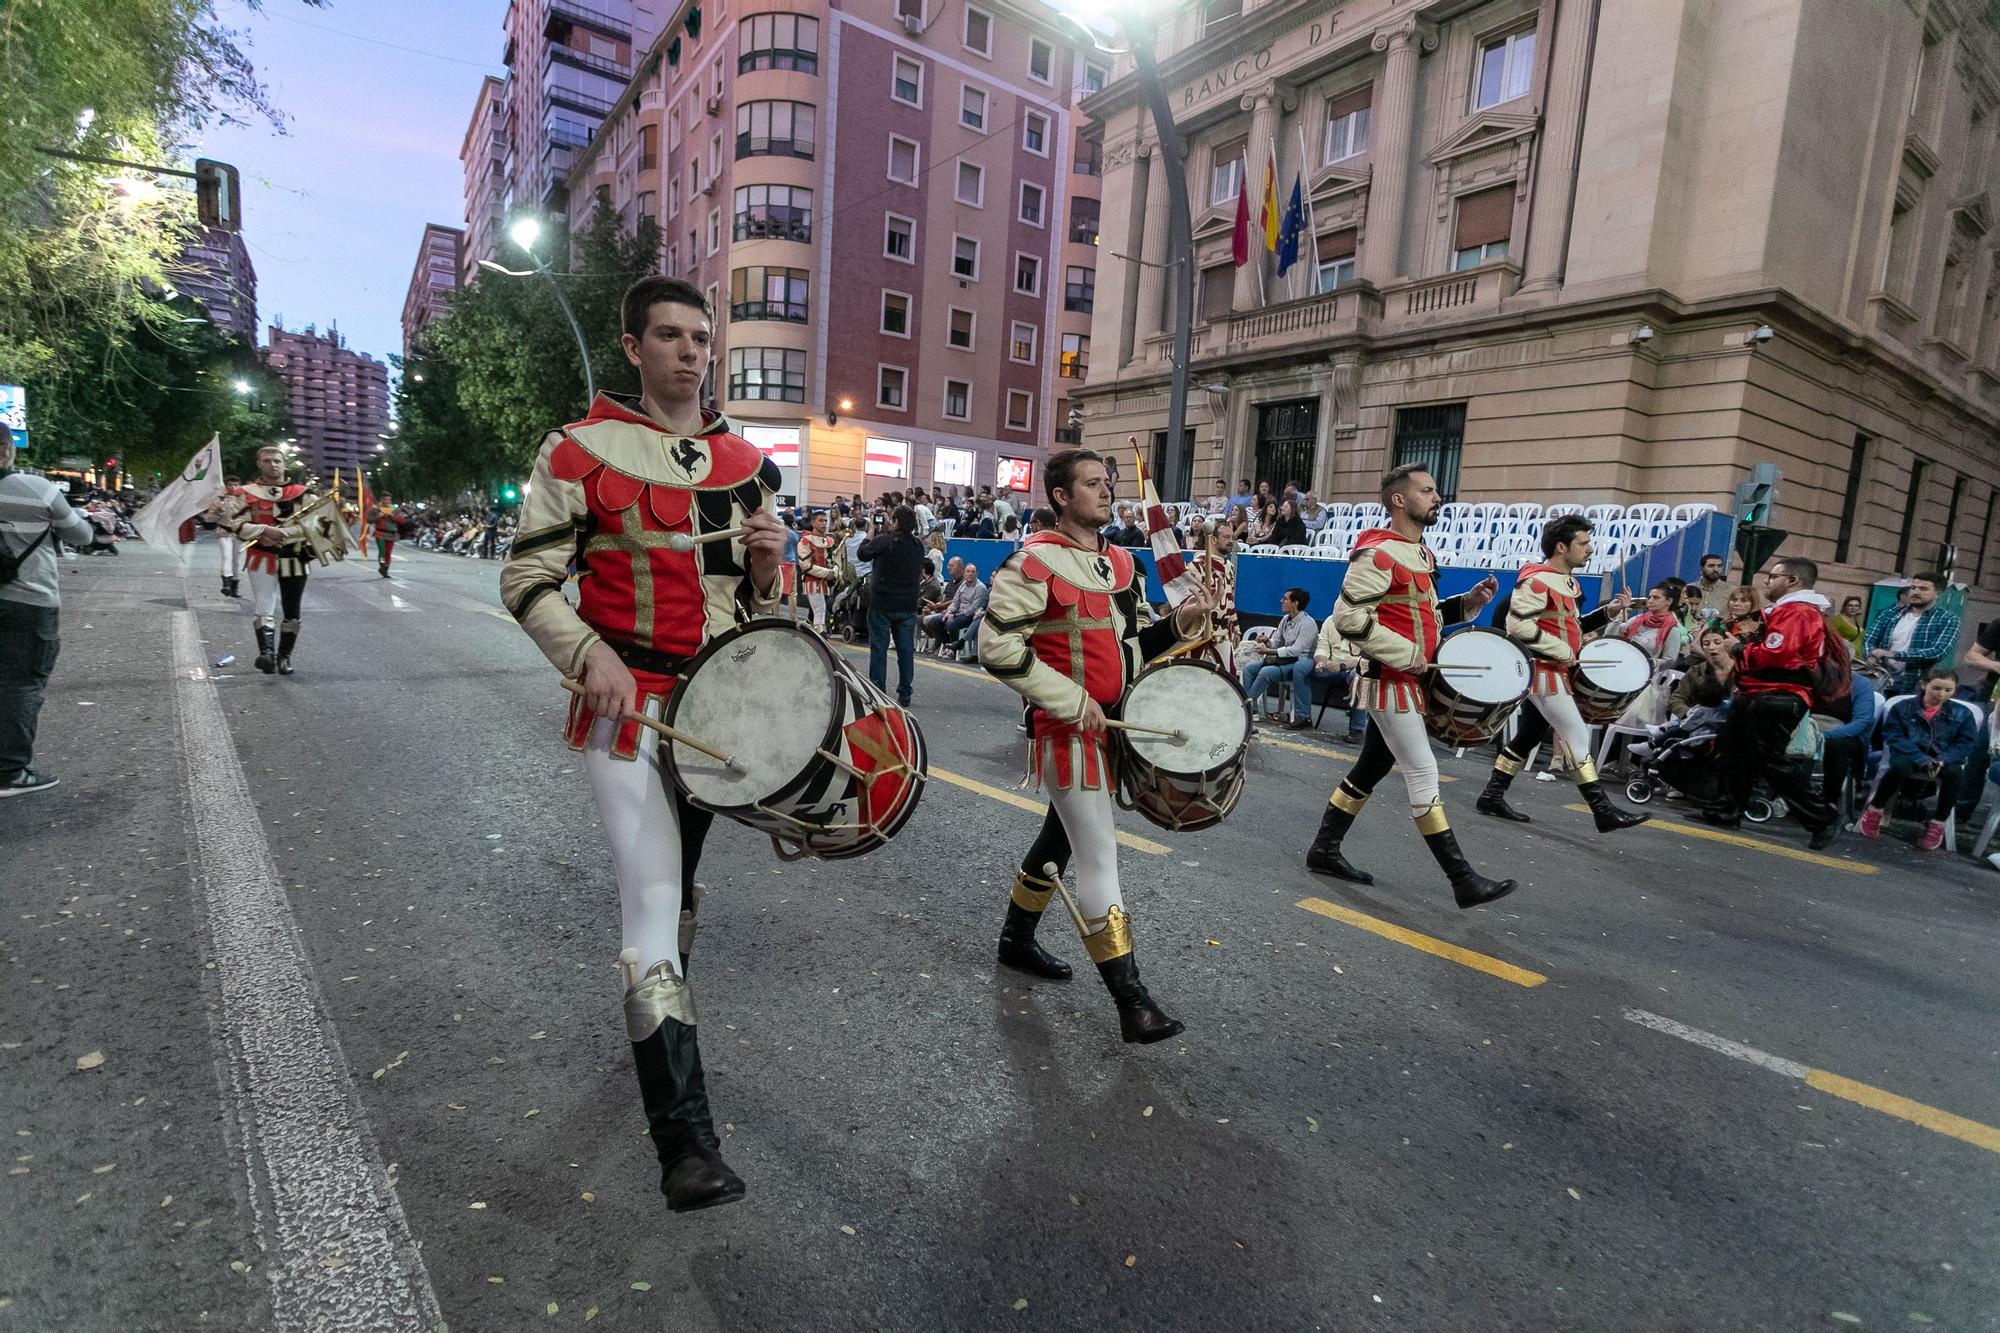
{"x": 501, "y": 368}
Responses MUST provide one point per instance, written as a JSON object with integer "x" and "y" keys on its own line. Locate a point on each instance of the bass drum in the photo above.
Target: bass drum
{"x": 825, "y": 764}
{"x": 1192, "y": 781}
{"x": 1478, "y": 680}
{"x": 1609, "y": 675}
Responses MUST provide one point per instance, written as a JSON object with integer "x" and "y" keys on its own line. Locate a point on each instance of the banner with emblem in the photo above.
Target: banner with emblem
{"x": 197, "y": 487}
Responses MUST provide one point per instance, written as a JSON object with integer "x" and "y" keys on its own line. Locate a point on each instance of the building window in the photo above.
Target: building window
{"x": 649, "y": 147}
{"x": 1079, "y": 289}
{"x": 1020, "y": 410}
{"x": 1021, "y": 343}
{"x": 715, "y": 156}
{"x": 903, "y": 160}
{"x": 774, "y": 374}
{"x": 1095, "y": 76}
{"x": 889, "y": 384}
{"x": 674, "y": 128}
{"x": 674, "y": 197}
{"x": 1484, "y": 221}
{"x": 768, "y": 293}
{"x": 978, "y": 31}
{"x": 1218, "y": 291}
{"x": 1347, "y": 125}
{"x": 715, "y": 78}
{"x": 959, "y": 329}
{"x": 911, "y": 9}
{"x": 773, "y": 212}
{"x": 1920, "y": 470}
{"x": 1075, "y": 361}
{"x": 1336, "y": 260}
{"x": 1432, "y": 438}
{"x": 899, "y": 238}
{"x": 1027, "y": 275}
{"x": 1032, "y": 197}
{"x": 1506, "y": 65}
{"x": 907, "y": 83}
{"x": 1041, "y": 61}
{"x": 958, "y": 400}
{"x": 896, "y": 314}
{"x": 1035, "y": 133}
{"x": 1225, "y": 169}
{"x": 1089, "y": 158}
{"x": 971, "y": 185}
{"x": 885, "y": 458}
{"x": 1083, "y": 220}
{"x": 714, "y": 230}
{"x": 965, "y": 258}
{"x": 972, "y": 107}
{"x": 778, "y": 41}
{"x": 1219, "y": 11}
{"x": 774, "y": 129}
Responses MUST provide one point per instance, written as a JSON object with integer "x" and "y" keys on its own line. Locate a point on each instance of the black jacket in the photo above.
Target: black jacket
{"x": 898, "y": 573}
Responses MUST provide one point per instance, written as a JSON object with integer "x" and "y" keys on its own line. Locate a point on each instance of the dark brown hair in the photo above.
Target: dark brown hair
{"x": 640, "y": 298}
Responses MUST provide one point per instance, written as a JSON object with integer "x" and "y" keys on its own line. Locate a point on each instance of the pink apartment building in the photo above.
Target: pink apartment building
{"x": 339, "y": 397}
{"x": 893, "y": 209}
{"x": 433, "y": 280}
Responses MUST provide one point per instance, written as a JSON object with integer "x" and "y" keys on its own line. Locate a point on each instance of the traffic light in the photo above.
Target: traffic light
{"x": 1755, "y": 497}
{"x": 111, "y": 465}
{"x": 218, "y": 195}
{"x": 510, "y": 493}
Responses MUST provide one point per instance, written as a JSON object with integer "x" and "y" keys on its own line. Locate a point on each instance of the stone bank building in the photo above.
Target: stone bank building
{"x": 1609, "y": 251}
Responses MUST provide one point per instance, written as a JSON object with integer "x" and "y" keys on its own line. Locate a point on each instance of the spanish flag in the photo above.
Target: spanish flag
{"x": 1268, "y": 217}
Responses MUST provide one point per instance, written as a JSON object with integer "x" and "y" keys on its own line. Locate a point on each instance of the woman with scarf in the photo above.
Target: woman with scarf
{"x": 1264, "y": 524}
{"x": 1657, "y": 629}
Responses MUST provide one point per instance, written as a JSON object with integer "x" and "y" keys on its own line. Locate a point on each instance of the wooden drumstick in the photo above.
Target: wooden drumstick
{"x": 1050, "y": 873}
{"x": 671, "y": 733}
{"x": 1178, "y": 737}
{"x": 685, "y": 542}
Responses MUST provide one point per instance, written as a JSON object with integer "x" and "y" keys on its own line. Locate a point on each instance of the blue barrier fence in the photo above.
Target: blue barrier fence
{"x": 1262, "y": 580}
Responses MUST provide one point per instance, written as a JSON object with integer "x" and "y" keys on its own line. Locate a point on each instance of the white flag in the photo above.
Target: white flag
{"x": 181, "y": 499}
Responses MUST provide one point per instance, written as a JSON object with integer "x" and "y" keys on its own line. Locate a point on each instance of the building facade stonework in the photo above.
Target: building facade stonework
{"x": 1583, "y": 251}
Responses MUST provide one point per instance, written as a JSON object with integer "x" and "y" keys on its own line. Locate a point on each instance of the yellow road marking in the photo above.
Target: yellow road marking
{"x": 922, "y": 660}
{"x": 1478, "y": 962}
{"x": 1754, "y": 844}
{"x": 1888, "y": 1103}
{"x": 1020, "y": 802}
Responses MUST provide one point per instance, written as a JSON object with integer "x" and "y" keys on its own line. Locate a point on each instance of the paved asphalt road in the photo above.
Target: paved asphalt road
{"x": 361, "y": 1049}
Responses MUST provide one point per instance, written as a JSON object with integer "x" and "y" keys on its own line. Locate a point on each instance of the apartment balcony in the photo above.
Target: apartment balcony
{"x": 1450, "y": 297}
{"x": 557, "y": 53}
{"x": 1347, "y": 311}
{"x": 563, "y": 14}
{"x": 588, "y": 103}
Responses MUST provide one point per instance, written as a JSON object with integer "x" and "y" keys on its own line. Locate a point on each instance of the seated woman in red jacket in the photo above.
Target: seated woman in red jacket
{"x": 1926, "y": 736}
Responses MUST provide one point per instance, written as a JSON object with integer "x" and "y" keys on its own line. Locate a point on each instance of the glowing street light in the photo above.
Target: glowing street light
{"x": 242, "y": 386}
{"x": 524, "y": 233}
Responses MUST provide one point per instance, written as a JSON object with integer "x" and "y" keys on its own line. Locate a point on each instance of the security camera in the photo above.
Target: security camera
{"x": 1643, "y": 334}
{"x": 1761, "y": 334}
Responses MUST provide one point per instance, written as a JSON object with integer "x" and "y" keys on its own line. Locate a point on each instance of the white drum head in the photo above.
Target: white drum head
{"x": 1203, "y": 705}
{"x": 765, "y": 698}
{"x": 1615, "y": 666}
{"x": 1483, "y": 667}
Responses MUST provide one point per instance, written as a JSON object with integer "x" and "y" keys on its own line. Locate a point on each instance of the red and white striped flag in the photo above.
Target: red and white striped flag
{"x": 1168, "y": 558}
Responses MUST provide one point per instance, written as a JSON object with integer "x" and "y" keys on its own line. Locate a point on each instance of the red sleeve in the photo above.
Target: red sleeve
{"x": 1794, "y": 636}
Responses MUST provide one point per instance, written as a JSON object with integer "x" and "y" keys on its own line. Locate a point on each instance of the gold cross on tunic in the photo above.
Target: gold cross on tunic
{"x": 639, "y": 543}
{"x": 1074, "y": 625}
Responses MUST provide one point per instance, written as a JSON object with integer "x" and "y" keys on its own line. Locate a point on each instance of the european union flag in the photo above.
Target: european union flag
{"x": 1288, "y": 231}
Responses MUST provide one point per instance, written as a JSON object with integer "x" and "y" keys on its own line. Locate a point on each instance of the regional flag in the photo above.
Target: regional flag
{"x": 186, "y": 496}
{"x": 1295, "y": 223}
{"x": 1268, "y": 210}
{"x": 1169, "y": 561}
{"x": 1239, "y": 240}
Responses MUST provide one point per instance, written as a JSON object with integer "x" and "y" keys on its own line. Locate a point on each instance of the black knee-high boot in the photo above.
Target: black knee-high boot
{"x": 675, "y": 1091}
{"x": 266, "y": 648}
{"x": 288, "y": 638}
{"x": 1033, "y": 887}
{"x": 1324, "y": 857}
{"x": 1468, "y": 886}
{"x": 1493, "y": 801}
{"x": 1609, "y": 818}
{"x": 1109, "y": 943}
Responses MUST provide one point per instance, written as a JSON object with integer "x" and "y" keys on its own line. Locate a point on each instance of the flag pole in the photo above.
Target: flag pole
{"x": 1312, "y": 223}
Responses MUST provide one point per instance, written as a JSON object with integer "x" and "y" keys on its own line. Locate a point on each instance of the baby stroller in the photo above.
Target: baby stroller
{"x": 1690, "y": 766}
{"x": 847, "y": 613}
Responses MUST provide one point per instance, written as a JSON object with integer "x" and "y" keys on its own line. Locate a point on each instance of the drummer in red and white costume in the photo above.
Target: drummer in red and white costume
{"x": 1389, "y": 611}
{"x": 1062, "y": 628}
{"x": 816, "y": 568}
{"x": 607, "y": 492}
{"x": 275, "y": 557}
{"x": 1543, "y": 617}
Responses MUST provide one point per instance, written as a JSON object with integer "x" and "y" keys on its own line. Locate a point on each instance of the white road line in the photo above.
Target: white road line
{"x": 399, "y": 603}
{"x": 1735, "y": 1050}
{"x": 338, "y": 1249}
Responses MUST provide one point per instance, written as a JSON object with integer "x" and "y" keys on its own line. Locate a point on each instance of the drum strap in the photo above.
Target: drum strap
{"x": 648, "y": 659}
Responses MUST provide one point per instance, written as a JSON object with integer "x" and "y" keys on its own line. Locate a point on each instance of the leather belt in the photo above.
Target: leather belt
{"x": 648, "y": 659}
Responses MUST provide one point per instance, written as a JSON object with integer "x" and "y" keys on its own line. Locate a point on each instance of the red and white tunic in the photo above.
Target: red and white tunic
{"x": 606, "y": 492}
{"x": 1389, "y": 611}
{"x": 270, "y": 506}
{"x": 815, "y": 563}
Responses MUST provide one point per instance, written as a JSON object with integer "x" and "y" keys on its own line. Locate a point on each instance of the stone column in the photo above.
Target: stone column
{"x": 1393, "y": 116}
{"x": 1555, "y": 155}
{"x": 1263, "y": 106}
{"x": 1152, "y": 282}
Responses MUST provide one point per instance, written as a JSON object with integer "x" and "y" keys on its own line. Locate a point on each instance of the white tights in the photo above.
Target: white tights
{"x": 645, "y": 836}
{"x": 1410, "y": 741}
{"x": 1093, "y": 843}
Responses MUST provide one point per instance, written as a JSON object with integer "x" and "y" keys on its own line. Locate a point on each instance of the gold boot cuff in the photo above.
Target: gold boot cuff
{"x": 1345, "y": 801}
{"x": 1113, "y": 940}
{"x": 1032, "y": 899}
{"x": 1432, "y": 820}
{"x": 1507, "y": 764}
{"x": 1585, "y": 772}
{"x": 659, "y": 996}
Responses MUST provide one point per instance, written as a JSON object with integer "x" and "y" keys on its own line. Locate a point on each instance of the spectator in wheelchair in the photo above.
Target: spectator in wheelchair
{"x": 1926, "y": 740}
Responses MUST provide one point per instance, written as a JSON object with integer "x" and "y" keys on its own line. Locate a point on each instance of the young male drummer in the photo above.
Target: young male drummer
{"x": 1389, "y": 610}
{"x": 608, "y": 490}
{"x": 1542, "y": 617}
{"x": 1062, "y": 628}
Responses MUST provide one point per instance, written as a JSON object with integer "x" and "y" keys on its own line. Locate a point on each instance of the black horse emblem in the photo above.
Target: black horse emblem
{"x": 685, "y": 456}
{"x": 1104, "y": 569}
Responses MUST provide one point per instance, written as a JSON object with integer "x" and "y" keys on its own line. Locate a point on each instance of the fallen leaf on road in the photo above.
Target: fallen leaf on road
{"x": 1574, "y": 1195}
{"x": 476, "y": 1205}
{"x": 91, "y": 1061}
{"x": 1918, "y": 1317}
{"x": 238, "y": 1266}
{"x": 1845, "y": 1317}
{"x": 590, "y": 1314}
{"x": 642, "y": 1286}
{"x": 1336, "y": 967}
{"x": 1131, "y": 1261}
{"x": 166, "y": 1201}
{"x": 554, "y": 1308}
{"x": 847, "y": 1231}
{"x": 104, "y": 1170}
{"x": 1312, "y": 1125}
{"x": 1147, "y": 1112}
{"x": 1021, "y": 1304}
{"x": 497, "y": 1281}
{"x": 531, "y": 1113}
{"x": 588, "y": 1197}
{"x": 455, "y": 1106}
{"x": 81, "y": 1197}
{"x": 538, "y": 1036}
{"x": 1215, "y": 943}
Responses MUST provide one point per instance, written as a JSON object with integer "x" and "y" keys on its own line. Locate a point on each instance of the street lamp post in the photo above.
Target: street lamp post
{"x": 525, "y": 233}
